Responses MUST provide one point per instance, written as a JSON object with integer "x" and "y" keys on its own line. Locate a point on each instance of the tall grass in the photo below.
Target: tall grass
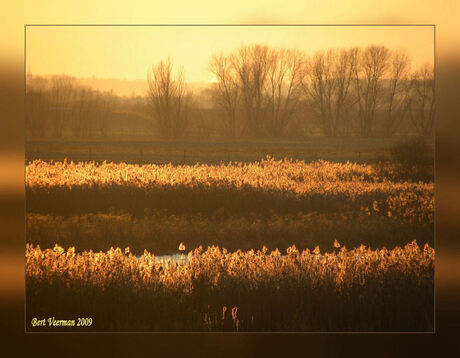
{"x": 216, "y": 290}
{"x": 87, "y": 207}
{"x": 265, "y": 187}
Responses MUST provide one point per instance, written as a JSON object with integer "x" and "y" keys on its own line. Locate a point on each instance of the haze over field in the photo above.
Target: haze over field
{"x": 124, "y": 87}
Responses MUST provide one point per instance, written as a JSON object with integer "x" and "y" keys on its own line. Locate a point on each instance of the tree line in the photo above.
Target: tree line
{"x": 59, "y": 103}
{"x": 259, "y": 91}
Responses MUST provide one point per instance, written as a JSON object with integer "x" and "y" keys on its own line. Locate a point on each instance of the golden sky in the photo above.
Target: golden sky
{"x": 127, "y": 52}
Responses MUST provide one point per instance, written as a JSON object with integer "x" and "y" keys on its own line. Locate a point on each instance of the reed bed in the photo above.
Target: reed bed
{"x": 217, "y": 290}
{"x": 77, "y": 213}
{"x": 265, "y": 187}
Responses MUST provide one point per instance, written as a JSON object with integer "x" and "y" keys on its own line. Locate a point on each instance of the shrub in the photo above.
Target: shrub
{"x": 414, "y": 158}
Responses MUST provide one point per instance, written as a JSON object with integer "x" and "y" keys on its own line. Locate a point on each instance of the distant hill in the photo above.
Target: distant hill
{"x": 128, "y": 88}
{"x": 119, "y": 86}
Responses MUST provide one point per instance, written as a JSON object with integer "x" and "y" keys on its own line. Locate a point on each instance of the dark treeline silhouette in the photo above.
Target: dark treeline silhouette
{"x": 364, "y": 92}
{"x": 258, "y": 92}
{"x": 59, "y": 104}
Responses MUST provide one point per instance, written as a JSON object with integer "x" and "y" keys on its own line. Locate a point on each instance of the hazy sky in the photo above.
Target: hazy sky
{"x": 128, "y": 52}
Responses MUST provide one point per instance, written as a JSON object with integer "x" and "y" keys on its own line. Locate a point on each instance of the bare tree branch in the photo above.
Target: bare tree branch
{"x": 422, "y": 108}
{"x": 169, "y": 99}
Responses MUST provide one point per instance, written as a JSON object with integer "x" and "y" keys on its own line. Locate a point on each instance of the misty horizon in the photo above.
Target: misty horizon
{"x": 126, "y": 87}
{"x": 121, "y": 86}
{"x": 254, "y": 91}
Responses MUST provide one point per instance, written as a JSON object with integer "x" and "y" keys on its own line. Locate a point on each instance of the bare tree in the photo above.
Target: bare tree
{"x": 397, "y": 92}
{"x": 169, "y": 99}
{"x": 226, "y": 92}
{"x": 328, "y": 85}
{"x": 61, "y": 95}
{"x": 53, "y": 104}
{"x": 84, "y": 107}
{"x": 422, "y": 108}
{"x": 283, "y": 89}
{"x": 252, "y": 64}
{"x": 258, "y": 89}
{"x": 105, "y": 108}
{"x": 369, "y": 74}
{"x": 37, "y": 105}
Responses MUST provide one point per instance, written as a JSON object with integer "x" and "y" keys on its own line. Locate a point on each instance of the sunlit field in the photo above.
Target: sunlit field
{"x": 363, "y": 258}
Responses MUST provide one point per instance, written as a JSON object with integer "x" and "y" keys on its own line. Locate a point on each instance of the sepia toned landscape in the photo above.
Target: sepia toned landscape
{"x": 283, "y": 189}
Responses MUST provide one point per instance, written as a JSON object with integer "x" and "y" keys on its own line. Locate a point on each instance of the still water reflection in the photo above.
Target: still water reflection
{"x": 174, "y": 257}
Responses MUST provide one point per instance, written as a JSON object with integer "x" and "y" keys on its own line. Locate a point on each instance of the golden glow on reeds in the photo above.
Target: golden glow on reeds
{"x": 343, "y": 185}
{"x": 216, "y": 277}
{"x": 355, "y": 290}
